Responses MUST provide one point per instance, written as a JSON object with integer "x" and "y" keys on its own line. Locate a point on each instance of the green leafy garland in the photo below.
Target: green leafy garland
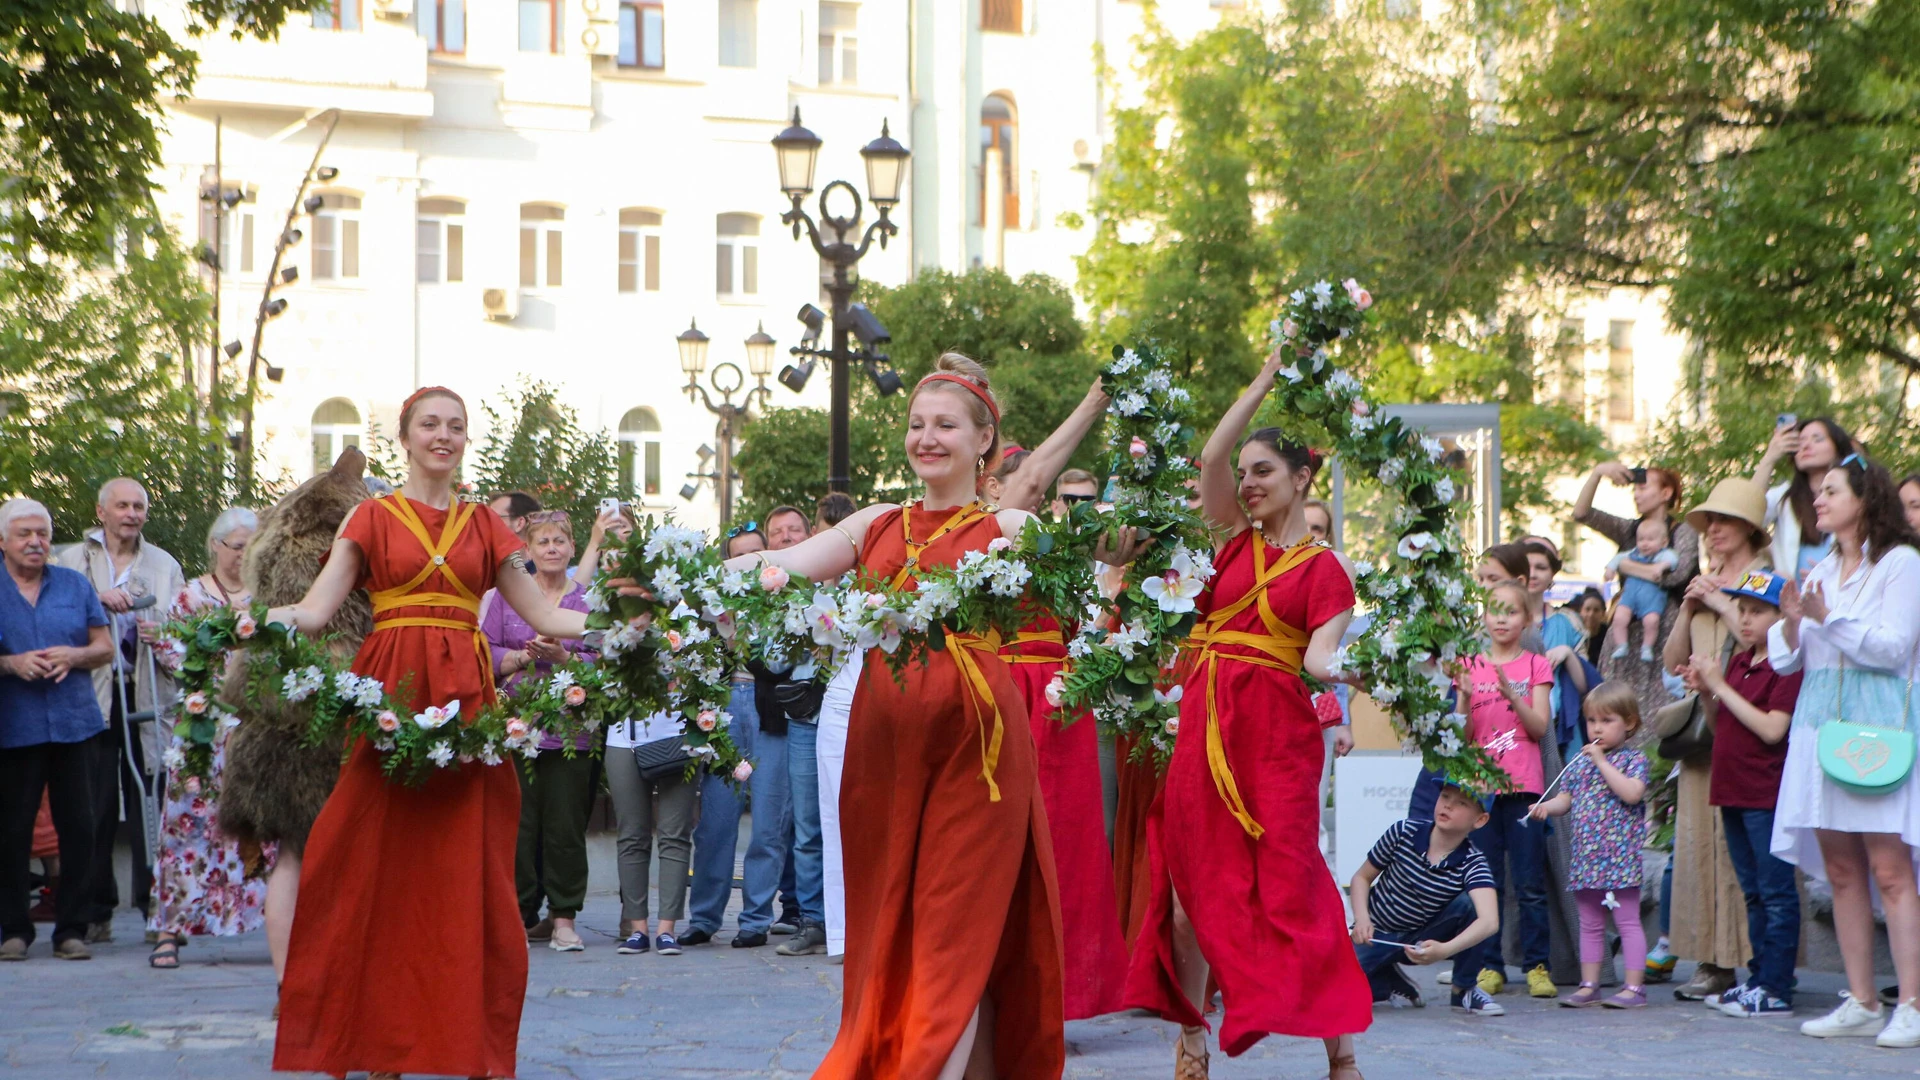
{"x": 1422, "y": 626}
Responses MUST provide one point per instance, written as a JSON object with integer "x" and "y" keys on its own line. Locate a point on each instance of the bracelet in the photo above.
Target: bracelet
{"x": 763, "y": 559}
{"x": 849, "y": 539}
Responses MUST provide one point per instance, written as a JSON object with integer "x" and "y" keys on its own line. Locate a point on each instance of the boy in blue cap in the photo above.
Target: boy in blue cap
{"x": 1751, "y": 706}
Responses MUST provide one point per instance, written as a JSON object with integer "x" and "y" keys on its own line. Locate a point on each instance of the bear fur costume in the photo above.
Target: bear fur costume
{"x": 274, "y": 784}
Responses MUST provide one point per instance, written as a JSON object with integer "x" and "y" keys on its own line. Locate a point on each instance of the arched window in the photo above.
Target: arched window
{"x": 640, "y": 452}
{"x": 540, "y": 240}
{"x": 999, "y": 130}
{"x": 336, "y": 426}
{"x": 737, "y": 253}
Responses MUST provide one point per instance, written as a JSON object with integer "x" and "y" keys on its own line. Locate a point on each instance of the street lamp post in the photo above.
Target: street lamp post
{"x": 726, "y": 381}
{"x": 797, "y": 150}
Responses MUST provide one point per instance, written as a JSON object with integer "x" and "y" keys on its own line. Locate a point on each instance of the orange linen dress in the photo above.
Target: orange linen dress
{"x": 949, "y": 870}
{"x": 1236, "y": 828}
{"x": 1069, "y": 764}
{"x": 408, "y": 954}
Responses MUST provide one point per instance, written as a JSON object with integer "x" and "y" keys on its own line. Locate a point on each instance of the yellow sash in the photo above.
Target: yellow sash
{"x": 462, "y": 598}
{"x": 1035, "y": 637}
{"x": 1281, "y": 647}
{"x": 963, "y": 646}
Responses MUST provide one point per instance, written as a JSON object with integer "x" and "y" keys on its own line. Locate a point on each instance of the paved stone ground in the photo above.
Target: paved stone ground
{"x": 722, "y": 1012}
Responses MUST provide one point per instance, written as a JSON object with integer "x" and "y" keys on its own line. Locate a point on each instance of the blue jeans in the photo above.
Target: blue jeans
{"x": 803, "y": 776}
{"x": 772, "y": 812}
{"x": 1501, "y": 839}
{"x": 717, "y": 836}
{"x": 1773, "y": 900}
{"x": 1376, "y": 959}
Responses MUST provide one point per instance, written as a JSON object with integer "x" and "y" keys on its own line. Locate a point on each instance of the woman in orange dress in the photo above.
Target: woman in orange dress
{"x": 953, "y": 960}
{"x": 1239, "y": 887}
{"x": 408, "y": 954}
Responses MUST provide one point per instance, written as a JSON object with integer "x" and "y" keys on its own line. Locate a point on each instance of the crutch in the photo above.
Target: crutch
{"x": 144, "y": 775}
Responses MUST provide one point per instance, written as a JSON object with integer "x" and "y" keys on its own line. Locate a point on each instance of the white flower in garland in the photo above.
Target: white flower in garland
{"x": 1443, "y": 489}
{"x": 489, "y": 754}
{"x": 667, "y": 586}
{"x": 1391, "y": 471}
{"x": 734, "y": 583}
{"x": 1291, "y": 373}
{"x": 300, "y": 685}
{"x": 561, "y": 680}
{"x": 175, "y": 757}
{"x": 1127, "y": 640}
{"x": 1337, "y": 663}
{"x": 441, "y": 754}
{"x": 1322, "y": 295}
{"x": 437, "y": 716}
{"x": 1414, "y": 545}
{"x": 1453, "y": 590}
{"x": 1130, "y": 404}
{"x": 597, "y": 601}
{"x": 1183, "y": 582}
{"x": 1127, "y": 362}
{"x": 1343, "y": 382}
{"x": 1449, "y": 742}
{"x": 1434, "y": 448}
{"x": 1386, "y": 694}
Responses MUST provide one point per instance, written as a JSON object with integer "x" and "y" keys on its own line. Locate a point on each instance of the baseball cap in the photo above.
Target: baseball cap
{"x": 1758, "y": 585}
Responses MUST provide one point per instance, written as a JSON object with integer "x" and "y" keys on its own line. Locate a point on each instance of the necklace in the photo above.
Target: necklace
{"x": 227, "y": 595}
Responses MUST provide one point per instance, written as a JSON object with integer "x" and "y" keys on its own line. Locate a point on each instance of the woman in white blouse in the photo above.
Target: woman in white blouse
{"x": 1852, "y": 629}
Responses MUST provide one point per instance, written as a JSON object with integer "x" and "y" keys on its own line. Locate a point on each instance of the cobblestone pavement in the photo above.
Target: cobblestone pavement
{"x": 724, "y": 1012}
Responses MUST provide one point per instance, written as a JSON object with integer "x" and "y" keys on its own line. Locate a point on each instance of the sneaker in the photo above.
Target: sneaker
{"x": 1755, "y": 1001}
{"x": 1646, "y": 654}
{"x": 744, "y": 939}
{"x": 811, "y": 940}
{"x": 14, "y": 948}
{"x": 1540, "y": 984}
{"x": 1493, "y": 982}
{"x": 1445, "y": 978}
{"x": 1903, "y": 1031}
{"x": 1707, "y": 982}
{"x": 789, "y": 922}
{"x": 1619, "y": 653}
{"x": 1731, "y": 995}
{"x": 695, "y": 936}
{"x": 1660, "y": 964}
{"x": 635, "y": 944}
{"x": 1401, "y": 991}
{"x": 1633, "y": 997}
{"x": 668, "y": 945}
{"x": 75, "y": 949}
{"x": 1477, "y": 1002}
{"x": 1850, "y": 1020}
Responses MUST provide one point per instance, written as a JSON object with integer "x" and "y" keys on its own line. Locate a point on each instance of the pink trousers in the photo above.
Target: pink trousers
{"x": 1626, "y": 918}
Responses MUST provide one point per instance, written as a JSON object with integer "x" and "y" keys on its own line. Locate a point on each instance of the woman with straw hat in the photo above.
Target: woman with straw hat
{"x": 1708, "y": 921}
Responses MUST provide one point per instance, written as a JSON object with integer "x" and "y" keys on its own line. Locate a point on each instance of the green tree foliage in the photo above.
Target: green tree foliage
{"x": 1267, "y": 153}
{"x": 94, "y": 361}
{"x": 1024, "y": 331}
{"x": 81, "y": 85}
{"x": 535, "y": 444}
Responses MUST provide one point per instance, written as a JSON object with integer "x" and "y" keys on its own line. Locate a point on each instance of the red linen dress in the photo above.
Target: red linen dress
{"x": 1236, "y": 829}
{"x": 408, "y": 954}
{"x": 1069, "y": 763}
{"x": 949, "y": 870}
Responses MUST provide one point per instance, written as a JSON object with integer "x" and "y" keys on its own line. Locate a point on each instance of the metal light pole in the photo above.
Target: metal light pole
{"x": 797, "y": 149}
{"x": 726, "y": 381}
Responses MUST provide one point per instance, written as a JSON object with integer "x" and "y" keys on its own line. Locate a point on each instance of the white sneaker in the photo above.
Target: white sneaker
{"x": 1851, "y": 1019}
{"x": 1445, "y": 978}
{"x": 1903, "y": 1031}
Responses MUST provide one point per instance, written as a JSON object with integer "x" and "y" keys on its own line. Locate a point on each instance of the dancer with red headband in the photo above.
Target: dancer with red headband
{"x": 1238, "y": 882}
{"x": 408, "y": 954}
{"x": 953, "y": 920}
{"x": 1068, "y": 753}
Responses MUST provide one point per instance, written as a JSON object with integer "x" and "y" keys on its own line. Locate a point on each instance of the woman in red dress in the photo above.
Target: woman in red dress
{"x": 1238, "y": 882}
{"x": 408, "y": 954}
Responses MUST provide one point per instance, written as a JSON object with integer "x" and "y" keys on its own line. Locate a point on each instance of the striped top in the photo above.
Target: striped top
{"x": 1411, "y": 892}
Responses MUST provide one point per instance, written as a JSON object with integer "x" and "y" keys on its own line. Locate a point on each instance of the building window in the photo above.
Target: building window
{"x": 640, "y": 452}
{"x": 1570, "y": 357}
{"x": 999, "y": 130}
{"x": 643, "y": 34}
{"x": 839, "y": 44}
{"x": 1001, "y": 15}
{"x": 738, "y": 256}
{"x": 739, "y": 25}
{"x": 1620, "y": 371}
{"x": 444, "y": 24}
{"x": 639, "y": 250}
{"x": 336, "y": 426}
{"x": 441, "y": 248}
{"x": 543, "y": 26}
{"x": 540, "y": 243}
{"x": 337, "y": 15}
{"x": 235, "y": 252}
{"x": 336, "y": 238}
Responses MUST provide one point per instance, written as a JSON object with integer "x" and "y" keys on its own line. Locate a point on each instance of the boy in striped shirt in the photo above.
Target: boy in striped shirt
{"x": 1425, "y": 894}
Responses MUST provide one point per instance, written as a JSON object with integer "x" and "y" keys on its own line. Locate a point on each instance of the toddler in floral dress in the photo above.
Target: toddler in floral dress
{"x": 1605, "y": 788}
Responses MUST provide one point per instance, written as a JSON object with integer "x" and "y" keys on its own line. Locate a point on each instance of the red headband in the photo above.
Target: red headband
{"x": 1011, "y": 450}
{"x": 960, "y": 380}
{"x": 431, "y": 391}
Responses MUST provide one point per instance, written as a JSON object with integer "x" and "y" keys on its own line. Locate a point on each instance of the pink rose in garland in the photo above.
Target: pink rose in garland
{"x": 575, "y": 696}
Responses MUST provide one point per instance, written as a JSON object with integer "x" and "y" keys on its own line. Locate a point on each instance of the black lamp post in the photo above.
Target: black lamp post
{"x": 726, "y": 381}
{"x": 797, "y": 150}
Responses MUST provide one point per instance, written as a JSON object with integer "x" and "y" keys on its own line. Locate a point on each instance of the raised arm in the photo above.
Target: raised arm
{"x": 1219, "y": 486}
{"x": 1028, "y": 485}
{"x": 823, "y": 556}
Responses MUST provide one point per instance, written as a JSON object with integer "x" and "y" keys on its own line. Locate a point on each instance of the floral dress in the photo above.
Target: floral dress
{"x": 200, "y": 882}
{"x": 1607, "y": 833}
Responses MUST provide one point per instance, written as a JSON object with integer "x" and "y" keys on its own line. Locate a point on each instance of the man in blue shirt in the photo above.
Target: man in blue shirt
{"x": 52, "y": 631}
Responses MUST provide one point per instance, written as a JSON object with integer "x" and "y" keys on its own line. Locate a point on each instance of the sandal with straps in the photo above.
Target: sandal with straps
{"x": 1187, "y": 1065}
{"x": 1344, "y": 1063}
{"x": 166, "y": 953}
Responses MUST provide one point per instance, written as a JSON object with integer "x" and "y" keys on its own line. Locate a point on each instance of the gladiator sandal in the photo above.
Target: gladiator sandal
{"x": 1343, "y": 1067}
{"x": 1187, "y": 1065}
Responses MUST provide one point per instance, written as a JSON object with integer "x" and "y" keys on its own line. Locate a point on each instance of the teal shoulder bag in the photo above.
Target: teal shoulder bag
{"x": 1864, "y": 758}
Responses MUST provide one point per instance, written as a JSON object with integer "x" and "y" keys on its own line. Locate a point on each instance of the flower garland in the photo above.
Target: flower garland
{"x": 1121, "y": 663}
{"x": 1421, "y": 625}
{"x": 298, "y": 669}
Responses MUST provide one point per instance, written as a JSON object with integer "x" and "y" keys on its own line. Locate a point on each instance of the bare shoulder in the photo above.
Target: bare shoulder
{"x": 1013, "y": 522}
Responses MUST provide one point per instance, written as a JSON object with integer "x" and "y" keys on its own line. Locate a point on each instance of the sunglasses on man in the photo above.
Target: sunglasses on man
{"x": 1071, "y": 499}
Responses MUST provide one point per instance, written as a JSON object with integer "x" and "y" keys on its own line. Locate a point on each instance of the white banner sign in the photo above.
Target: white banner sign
{"x": 1370, "y": 792}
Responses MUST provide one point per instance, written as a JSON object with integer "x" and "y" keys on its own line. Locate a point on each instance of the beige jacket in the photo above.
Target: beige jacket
{"x": 164, "y": 579}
